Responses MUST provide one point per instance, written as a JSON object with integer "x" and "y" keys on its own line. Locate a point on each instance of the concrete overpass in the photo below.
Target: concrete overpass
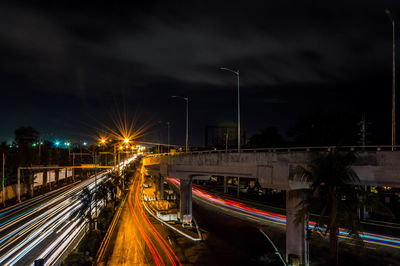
{"x": 375, "y": 166}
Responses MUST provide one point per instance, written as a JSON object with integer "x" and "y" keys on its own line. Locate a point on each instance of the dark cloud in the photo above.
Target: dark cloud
{"x": 293, "y": 56}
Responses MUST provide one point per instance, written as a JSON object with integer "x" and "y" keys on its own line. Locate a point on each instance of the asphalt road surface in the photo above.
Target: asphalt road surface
{"x": 135, "y": 240}
{"x": 41, "y": 227}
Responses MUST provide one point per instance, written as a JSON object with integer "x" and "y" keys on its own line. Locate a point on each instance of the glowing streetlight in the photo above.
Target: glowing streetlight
{"x": 126, "y": 140}
{"x": 238, "y": 101}
{"x": 187, "y": 119}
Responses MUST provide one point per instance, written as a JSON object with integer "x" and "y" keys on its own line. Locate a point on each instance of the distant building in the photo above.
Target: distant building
{"x": 219, "y": 136}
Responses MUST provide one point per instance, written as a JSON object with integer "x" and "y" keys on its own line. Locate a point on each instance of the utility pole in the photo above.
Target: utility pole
{"x": 19, "y": 184}
{"x": 387, "y": 11}
{"x": 2, "y": 183}
{"x": 187, "y": 119}
{"x": 73, "y": 169}
{"x": 168, "y": 125}
{"x": 238, "y": 101}
{"x": 168, "y": 128}
{"x": 187, "y": 123}
{"x": 115, "y": 156}
{"x": 362, "y": 133}
{"x": 119, "y": 160}
{"x": 226, "y": 140}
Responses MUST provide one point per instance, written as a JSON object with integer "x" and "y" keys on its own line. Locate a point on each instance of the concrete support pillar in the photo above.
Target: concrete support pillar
{"x": 186, "y": 197}
{"x": 225, "y": 187}
{"x": 295, "y": 233}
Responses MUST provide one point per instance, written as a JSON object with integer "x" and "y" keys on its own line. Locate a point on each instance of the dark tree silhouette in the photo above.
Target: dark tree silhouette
{"x": 85, "y": 210}
{"x": 335, "y": 195}
{"x": 268, "y": 137}
{"x": 325, "y": 128}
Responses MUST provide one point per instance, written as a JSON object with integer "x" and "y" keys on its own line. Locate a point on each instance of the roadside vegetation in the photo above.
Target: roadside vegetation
{"x": 31, "y": 148}
{"x": 335, "y": 196}
{"x": 111, "y": 192}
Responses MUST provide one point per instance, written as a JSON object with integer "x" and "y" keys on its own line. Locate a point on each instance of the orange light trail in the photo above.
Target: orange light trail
{"x": 384, "y": 240}
{"x": 156, "y": 234}
{"x": 149, "y": 244}
{"x": 158, "y": 259}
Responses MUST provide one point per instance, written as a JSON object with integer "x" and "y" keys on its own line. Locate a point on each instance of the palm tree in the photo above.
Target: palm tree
{"x": 102, "y": 193}
{"x": 335, "y": 194}
{"x": 85, "y": 210}
{"x": 113, "y": 184}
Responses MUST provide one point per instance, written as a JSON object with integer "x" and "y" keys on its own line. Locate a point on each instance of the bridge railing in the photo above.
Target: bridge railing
{"x": 370, "y": 148}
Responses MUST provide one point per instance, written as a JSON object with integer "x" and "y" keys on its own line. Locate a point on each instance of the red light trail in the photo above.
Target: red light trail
{"x": 146, "y": 225}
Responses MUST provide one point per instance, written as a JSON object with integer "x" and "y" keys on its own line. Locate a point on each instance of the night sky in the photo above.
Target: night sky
{"x": 67, "y": 67}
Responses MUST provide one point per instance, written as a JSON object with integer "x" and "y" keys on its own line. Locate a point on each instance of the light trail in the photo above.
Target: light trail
{"x": 167, "y": 249}
{"x": 41, "y": 228}
{"x": 158, "y": 246}
{"x": 373, "y": 238}
{"x": 149, "y": 244}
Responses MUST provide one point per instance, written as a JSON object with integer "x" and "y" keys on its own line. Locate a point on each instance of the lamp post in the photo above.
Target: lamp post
{"x": 168, "y": 127}
{"x": 389, "y": 14}
{"x": 104, "y": 141}
{"x": 238, "y": 101}
{"x": 187, "y": 119}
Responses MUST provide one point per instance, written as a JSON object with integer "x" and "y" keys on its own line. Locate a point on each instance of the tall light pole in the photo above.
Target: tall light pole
{"x": 389, "y": 14}
{"x": 187, "y": 119}
{"x": 168, "y": 127}
{"x": 238, "y": 101}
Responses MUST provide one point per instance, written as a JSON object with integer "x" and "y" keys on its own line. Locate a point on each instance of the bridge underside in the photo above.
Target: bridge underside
{"x": 272, "y": 170}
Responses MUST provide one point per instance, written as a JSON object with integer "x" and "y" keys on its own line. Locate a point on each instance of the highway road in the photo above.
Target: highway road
{"x": 135, "y": 239}
{"x": 261, "y": 215}
{"x": 378, "y": 249}
{"x": 42, "y": 228}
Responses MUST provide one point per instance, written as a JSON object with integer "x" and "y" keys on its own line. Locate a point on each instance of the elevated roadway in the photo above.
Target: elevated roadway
{"x": 273, "y": 168}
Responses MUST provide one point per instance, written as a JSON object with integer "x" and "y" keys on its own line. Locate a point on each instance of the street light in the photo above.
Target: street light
{"x": 187, "y": 119}
{"x": 389, "y": 14}
{"x": 238, "y": 101}
{"x": 168, "y": 126}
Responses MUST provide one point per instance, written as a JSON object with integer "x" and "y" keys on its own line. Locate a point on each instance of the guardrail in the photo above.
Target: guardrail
{"x": 109, "y": 233}
{"x": 370, "y": 148}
